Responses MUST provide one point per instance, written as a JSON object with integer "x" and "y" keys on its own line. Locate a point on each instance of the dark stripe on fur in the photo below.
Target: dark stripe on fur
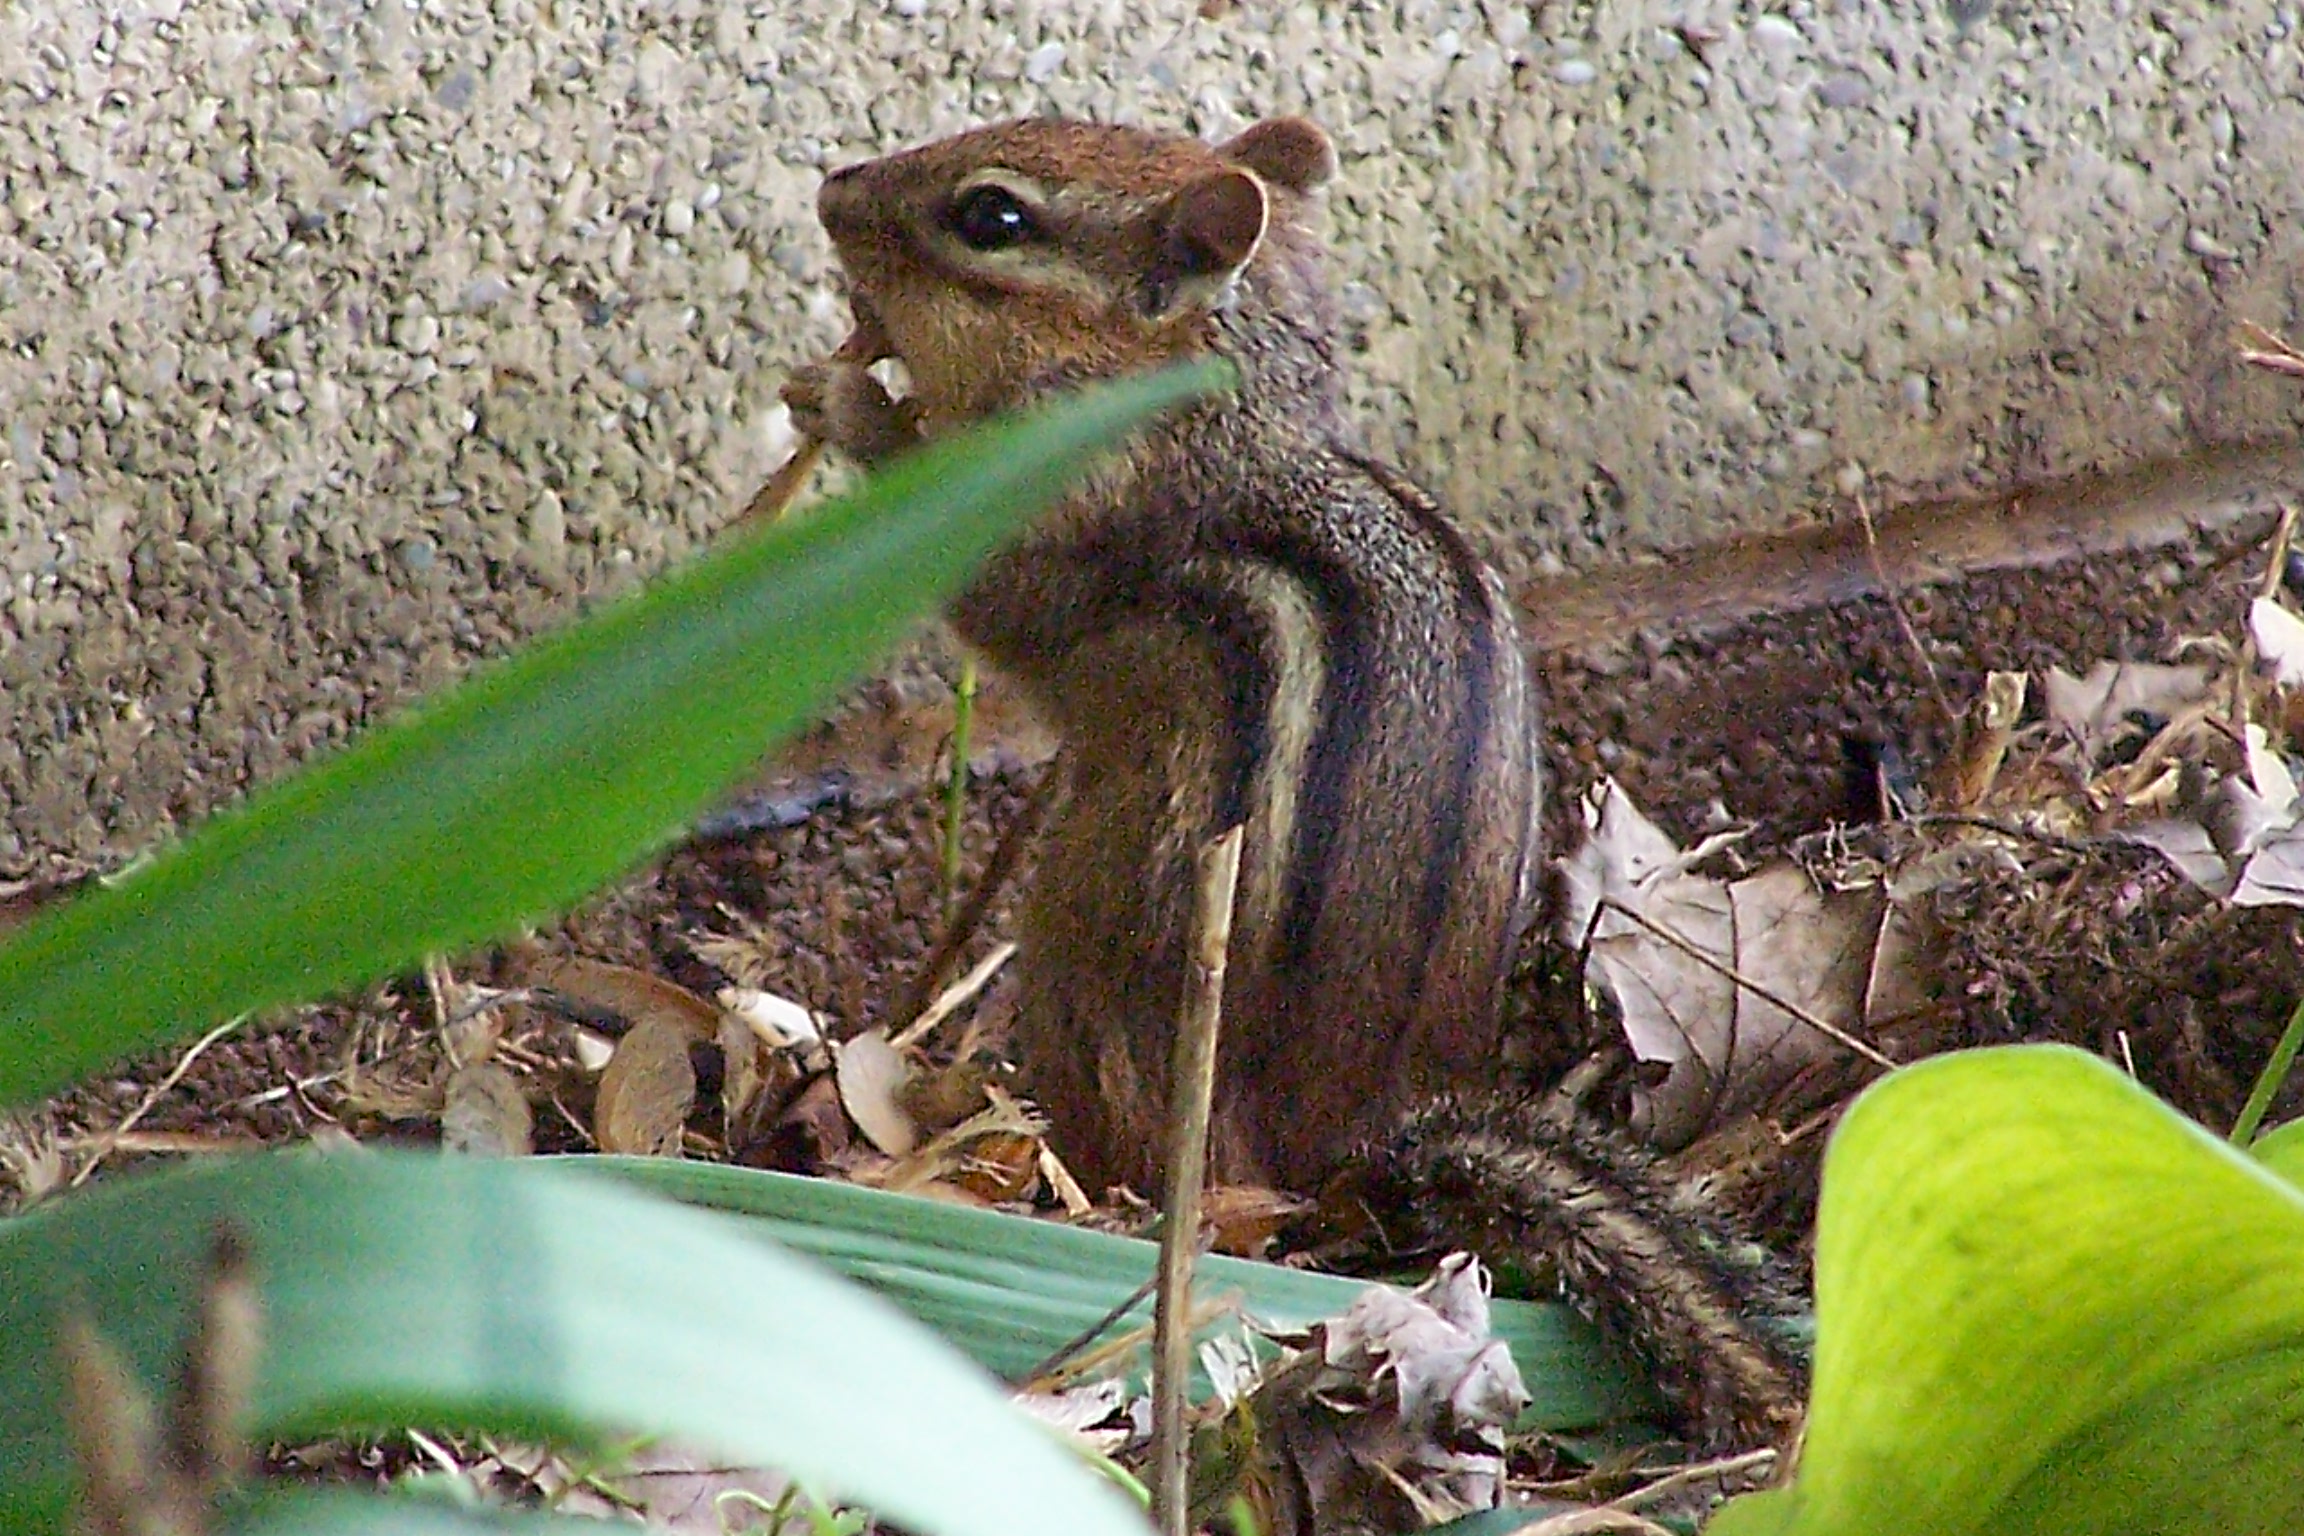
{"x": 1476, "y": 620}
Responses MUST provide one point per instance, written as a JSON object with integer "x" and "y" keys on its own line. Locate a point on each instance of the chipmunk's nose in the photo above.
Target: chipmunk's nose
{"x": 842, "y": 204}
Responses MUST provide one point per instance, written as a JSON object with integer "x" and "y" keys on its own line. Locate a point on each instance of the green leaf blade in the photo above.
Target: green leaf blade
{"x": 2046, "y": 1302}
{"x": 530, "y": 1299}
{"x": 1009, "y": 1290}
{"x": 517, "y": 792}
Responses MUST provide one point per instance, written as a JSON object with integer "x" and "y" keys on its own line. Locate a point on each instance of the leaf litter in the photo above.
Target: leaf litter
{"x": 2105, "y": 856}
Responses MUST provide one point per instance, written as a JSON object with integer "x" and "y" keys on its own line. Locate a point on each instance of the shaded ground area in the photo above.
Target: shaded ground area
{"x": 827, "y": 887}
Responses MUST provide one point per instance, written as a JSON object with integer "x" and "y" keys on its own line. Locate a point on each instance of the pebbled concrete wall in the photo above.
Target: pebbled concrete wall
{"x": 342, "y": 342}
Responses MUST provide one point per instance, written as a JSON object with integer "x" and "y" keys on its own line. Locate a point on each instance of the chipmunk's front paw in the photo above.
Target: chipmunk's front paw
{"x": 841, "y": 404}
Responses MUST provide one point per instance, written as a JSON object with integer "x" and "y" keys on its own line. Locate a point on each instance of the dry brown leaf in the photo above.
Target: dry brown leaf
{"x": 939, "y": 1100}
{"x": 2095, "y": 708}
{"x": 811, "y": 1133}
{"x": 647, "y": 1091}
{"x": 2246, "y": 845}
{"x": 628, "y": 994}
{"x": 1095, "y": 1411}
{"x": 872, "y": 1075}
{"x": 942, "y": 1158}
{"x": 744, "y": 1070}
{"x": 1242, "y": 1219}
{"x": 999, "y": 1168}
{"x": 1992, "y": 729}
{"x": 1395, "y": 1414}
{"x": 1666, "y": 1002}
{"x": 1725, "y": 983}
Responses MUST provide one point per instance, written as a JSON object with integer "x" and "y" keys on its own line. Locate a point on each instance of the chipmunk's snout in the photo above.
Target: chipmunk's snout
{"x": 841, "y": 203}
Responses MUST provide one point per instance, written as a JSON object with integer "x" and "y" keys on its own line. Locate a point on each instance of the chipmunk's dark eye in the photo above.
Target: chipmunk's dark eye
{"x": 990, "y": 218}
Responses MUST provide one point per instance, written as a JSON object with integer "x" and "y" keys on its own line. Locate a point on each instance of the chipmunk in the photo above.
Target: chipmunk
{"x": 1242, "y": 619}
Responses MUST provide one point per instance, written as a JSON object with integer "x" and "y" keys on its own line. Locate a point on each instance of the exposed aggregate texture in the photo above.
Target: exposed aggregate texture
{"x": 341, "y": 343}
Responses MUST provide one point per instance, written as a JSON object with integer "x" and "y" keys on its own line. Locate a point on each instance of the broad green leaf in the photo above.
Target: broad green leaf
{"x": 529, "y": 1299}
{"x": 2282, "y": 1150}
{"x": 1009, "y": 1290}
{"x": 512, "y": 795}
{"x": 2046, "y": 1303}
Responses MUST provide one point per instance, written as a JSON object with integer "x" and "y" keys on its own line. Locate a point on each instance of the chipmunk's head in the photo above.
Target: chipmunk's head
{"x": 1042, "y": 251}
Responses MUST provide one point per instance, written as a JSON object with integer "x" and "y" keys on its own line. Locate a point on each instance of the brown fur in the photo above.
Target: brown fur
{"x": 1241, "y": 619}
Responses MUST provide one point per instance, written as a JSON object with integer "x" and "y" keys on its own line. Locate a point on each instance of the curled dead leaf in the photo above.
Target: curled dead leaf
{"x": 872, "y": 1075}
{"x": 647, "y": 1091}
{"x": 626, "y": 993}
{"x": 1395, "y": 1414}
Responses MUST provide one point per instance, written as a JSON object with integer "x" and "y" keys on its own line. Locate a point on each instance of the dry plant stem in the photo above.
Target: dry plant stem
{"x": 2274, "y": 362}
{"x": 2272, "y": 352}
{"x": 2238, "y": 712}
{"x": 109, "y": 1142}
{"x": 2007, "y": 829}
{"x": 1682, "y": 1477}
{"x": 1191, "y": 1093}
{"x": 2283, "y": 535}
{"x": 440, "y": 985}
{"x": 1895, "y": 600}
{"x": 949, "y": 1000}
{"x": 770, "y": 502}
{"x": 1007, "y": 854}
{"x": 2269, "y": 1080}
{"x": 773, "y": 500}
{"x": 1064, "y": 1353}
{"x": 1823, "y": 1027}
{"x": 1604, "y": 1521}
{"x": 956, "y": 787}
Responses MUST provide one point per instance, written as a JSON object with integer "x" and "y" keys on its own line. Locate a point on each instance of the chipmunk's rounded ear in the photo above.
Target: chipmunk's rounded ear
{"x": 1214, "y": 225}
{"x": 1216, "y": 222}
{"x": 1289, "y": 152}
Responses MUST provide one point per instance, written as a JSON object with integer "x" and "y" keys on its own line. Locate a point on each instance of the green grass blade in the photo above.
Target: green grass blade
{"x": 526, "y": 1299}
{"x": 512, "y": 795}
{"x": 1008, "y": 1290}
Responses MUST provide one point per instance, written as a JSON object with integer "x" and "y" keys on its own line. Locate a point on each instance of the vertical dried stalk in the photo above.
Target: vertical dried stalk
{"x": 956, "y": 787}
{"x": 1192, "y": 1086}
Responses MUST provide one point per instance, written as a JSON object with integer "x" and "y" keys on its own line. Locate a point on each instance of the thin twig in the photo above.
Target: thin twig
{"x": 2283, "y": 535}
{"x": 956, "y": 787}
{"x": 2005, "y": 828}
{"x": 1007, "y": 854}
{"x": 1191, "y": 1095}
{"x": 2274, "y": 362}
{"x": 1895, "y": 600}
{"x": 1821, "y": 1026}
{"x": 1062, "y": 1354}
{"x": 110, "y": 1140}
{"x": 2272, "y": 352}
{"x": 949, "y": 1000}
{"x": 1683, "y": 1477}
{"x": 774, "y": 499}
